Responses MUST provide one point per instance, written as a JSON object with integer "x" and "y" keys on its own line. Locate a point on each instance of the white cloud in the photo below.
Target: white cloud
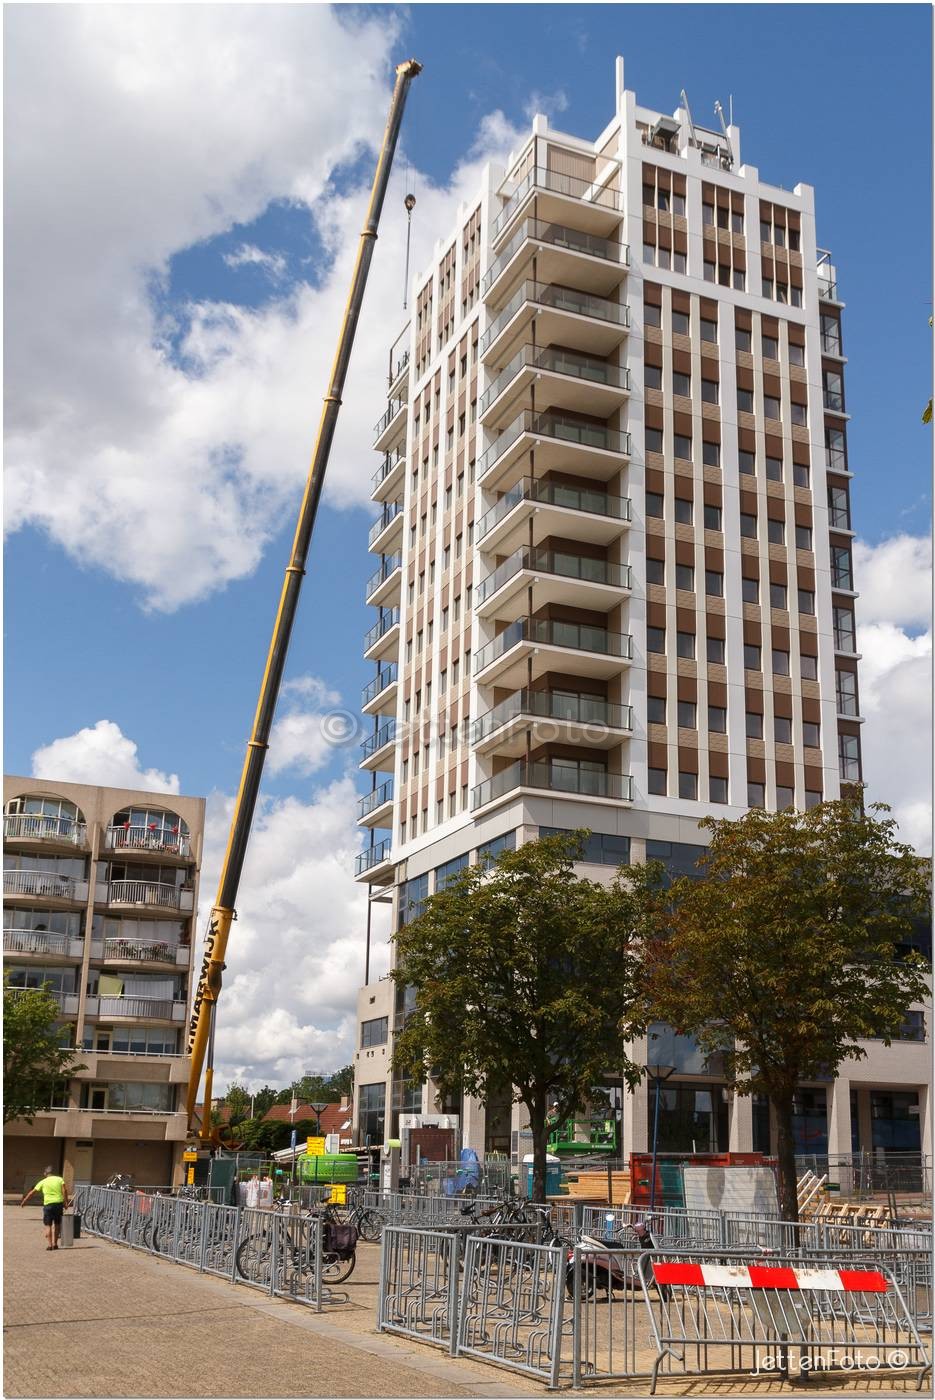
{"x": 100, "y": 754}
{"x": 894, "y": 638}
{"x": 249, "y": 255}
{"x": 157, "y": 127}
{"x": 309, "y": 728}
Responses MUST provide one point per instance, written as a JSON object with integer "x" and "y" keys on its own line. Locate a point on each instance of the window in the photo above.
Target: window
{"x": 812, "y": 799}
{"x": 845, "y": 686}
{"x": 657, "y": 782}
{"x": 849, "y": 758}
{"x": 374, "y": 1032}
{"x": 743, "y": 339}
{"x": 655, "y": 571}
{"x": 799, "y": 414}
{"x": 491, "y": 849}
{"x": 717, "y": 719}
{"x": 748, "y": 526}
{"x": 780, "y": 663}
{"x": 800, "y": 474}
{"x": 806, "y": 601}
{"x": 713, "y": 583}
{"x": 683, "y": 511}
{"x": 754, "y": 725}
{"x": 707, "y": 215}
{"x": 756, "y": 795}
{"x": 708, "y": 330}
{"x": 654, "y": 504}
{"x": 600, "y": 848}
{"x": 685, "y": 645}
{"x": 709, "y": 390}
{"x": 839, "y": 510}
{"x": 652, "y": 314}
{"x": 811, "y": 735}
{"x": 782, "y": 729}
{"x": 710, "y": 271}
{"x": 682, "y": 384}
{"x": 685, "y": 577}
{"x": 770, "y": 348}
{"x": 712, "y": 517}
{"x": 688, "y": 712}
{"x": 683, "y": 447}
{"x": 808, "y": 667}
{"x": 715, "y": 651}
{"x": 751, "y": 657}
{"x": 711, "y": 454}
{"x": 796, "y": 353}
{"x": 656, "y": 709}
{"x": 750, "y": 590}
{"x": 717, "y": 789}
{"x": 681, "y": 325}
{"x": 774, "y": 469}
{"x": 841, "y": 573}
{"x": 778, "y": 596}
{"x": 771, "y": 407}
{"x": 652, "y": 378}
{"x": 803, "y": 537}
{"x": 785, "y": 798}
{"x": 688, "y": 787}
{"x": 843, "y": 629}
{"x": 775, "y": 531}
{"x": 745, "y": 400}
{"x": 653, "y": 439}
{"x": 736, "y": 221}
{"x": 655, "y": 639}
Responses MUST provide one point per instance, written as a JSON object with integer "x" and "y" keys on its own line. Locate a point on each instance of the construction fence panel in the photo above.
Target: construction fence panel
{"x": 511, "y": 1305}
{"x": 419, "y": 1282}
{"x": 611, "y": 1336}
{"x": 779, "y": 1317}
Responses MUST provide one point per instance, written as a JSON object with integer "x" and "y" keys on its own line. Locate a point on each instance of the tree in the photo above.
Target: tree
{"x": 237, "y": 1100}
{"x": 523, "y": 973}
{"x": 785, "y": 954}
{"x": 263, "y": 1100}
{"x": 342, "y": 1081}
{"x": 34, "y": 1059}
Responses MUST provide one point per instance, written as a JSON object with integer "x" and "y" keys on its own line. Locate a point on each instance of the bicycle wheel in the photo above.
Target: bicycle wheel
{"x": 370, "y": 1226}
{"x": 335, "y": 1269}
{"x": 255, "y": 1258}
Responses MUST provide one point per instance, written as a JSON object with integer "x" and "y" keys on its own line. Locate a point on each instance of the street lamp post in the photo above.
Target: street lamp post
{"x": 658, "y": 1074}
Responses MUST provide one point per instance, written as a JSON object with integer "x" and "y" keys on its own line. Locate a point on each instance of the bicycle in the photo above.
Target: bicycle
{"x": 338, "y": 1250}
{"x": 367, "y": 1221}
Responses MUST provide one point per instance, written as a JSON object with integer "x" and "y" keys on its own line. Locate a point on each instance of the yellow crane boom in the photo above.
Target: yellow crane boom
{"x": 204, "y": 1007}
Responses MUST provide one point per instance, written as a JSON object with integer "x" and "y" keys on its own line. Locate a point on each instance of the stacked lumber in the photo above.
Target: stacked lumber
{"x": 852, "y": 1213}
{"x": 592, "y": 1186}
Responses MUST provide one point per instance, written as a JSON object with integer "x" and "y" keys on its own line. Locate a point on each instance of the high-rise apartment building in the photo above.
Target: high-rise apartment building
{"x": 614, "y": 585}
{"x": 100, "y": 892}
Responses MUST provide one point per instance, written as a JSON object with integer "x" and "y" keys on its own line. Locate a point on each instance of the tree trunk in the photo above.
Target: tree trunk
{"x": 788, "y": 1181}
{"x": 540, "y": 1144}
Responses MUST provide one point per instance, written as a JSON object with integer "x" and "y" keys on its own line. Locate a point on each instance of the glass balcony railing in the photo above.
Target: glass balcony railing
{"x": 543, "y": 704}
{"x": 388, "y": 566}
{"x": 399, "y": 364}
{"x": 827, "y": 291}
{"x": 384, "y": 678}
{"x": 396, "y": 406}
{"x": 390, "y": 460}
{"x": 547, "y": 561}
{"x": 553, "y": 494}
{"x": 545, "y": 632}
{"x": 380, "y": 628}
{"x": 586, "y": 367}
{"x": 547, "y": 294}
{"x": 38, "y": 826}
{"x": 389, "y": 513}
{"x": 373, "y": 855}
{"x": 553, "y": 777}
{"x": 557, "y": 236}
{"x": 372, "y": 800}
{"x": 375, "y": 742}
{"x": 559, "y": 426}
{"x": 568, "y": 185}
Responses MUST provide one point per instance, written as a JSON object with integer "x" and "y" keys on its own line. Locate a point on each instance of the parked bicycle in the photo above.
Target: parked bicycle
{"x": 338, "y": 1246}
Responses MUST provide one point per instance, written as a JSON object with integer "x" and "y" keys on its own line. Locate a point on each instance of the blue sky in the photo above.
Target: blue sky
{"x": 210, "y": 159}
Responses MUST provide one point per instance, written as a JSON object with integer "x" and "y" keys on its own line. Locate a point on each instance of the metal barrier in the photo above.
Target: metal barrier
{"x": 296, "y": 1262}
{"x": 220, "y": 1238}
{"x": 610, "y": 1336}
{"x": 711, "y": 1313}
{"x": 419, "y": 1278}
{"x": 511, "y": 1306}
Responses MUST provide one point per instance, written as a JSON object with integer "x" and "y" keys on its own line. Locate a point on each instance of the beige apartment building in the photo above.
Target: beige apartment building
{"x": 614, "y": 585}
{"x": 100, "y": 892}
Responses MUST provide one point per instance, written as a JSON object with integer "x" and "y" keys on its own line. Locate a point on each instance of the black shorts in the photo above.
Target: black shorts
{"x": 52, "y": 1215}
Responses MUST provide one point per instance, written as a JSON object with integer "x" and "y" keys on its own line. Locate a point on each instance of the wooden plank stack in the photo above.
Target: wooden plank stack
{"x": 591, "y": 1185}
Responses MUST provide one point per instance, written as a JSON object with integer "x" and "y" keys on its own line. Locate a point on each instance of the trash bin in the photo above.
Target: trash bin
{"x": 67, "y": 1237}
{"x": 553, "y": 1175}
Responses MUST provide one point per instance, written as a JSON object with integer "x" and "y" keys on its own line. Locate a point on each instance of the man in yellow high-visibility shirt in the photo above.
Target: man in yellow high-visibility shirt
{"x": 54, "y": 1195}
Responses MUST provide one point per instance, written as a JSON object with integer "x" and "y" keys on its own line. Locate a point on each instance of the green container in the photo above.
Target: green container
{"x": 333, "y": 1166}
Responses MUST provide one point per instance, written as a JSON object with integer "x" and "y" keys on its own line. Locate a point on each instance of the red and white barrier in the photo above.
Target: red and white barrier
{"x": 770, "y": 1276}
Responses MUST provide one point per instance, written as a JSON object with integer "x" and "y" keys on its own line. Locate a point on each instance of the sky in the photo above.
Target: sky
{"x": 184, "y": 190}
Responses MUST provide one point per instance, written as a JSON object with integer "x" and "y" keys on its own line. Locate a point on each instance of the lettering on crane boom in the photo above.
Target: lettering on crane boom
{"x": 202, "y": 982}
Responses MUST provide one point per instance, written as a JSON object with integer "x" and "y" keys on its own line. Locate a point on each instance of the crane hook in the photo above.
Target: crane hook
{"x": 410, "y": 204}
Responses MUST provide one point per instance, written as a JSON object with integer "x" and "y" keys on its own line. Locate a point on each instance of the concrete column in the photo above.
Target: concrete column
{"x": 740, "y": 1131}
{"x": 473, "y": 1124}
{"x": 839, "y": 1127}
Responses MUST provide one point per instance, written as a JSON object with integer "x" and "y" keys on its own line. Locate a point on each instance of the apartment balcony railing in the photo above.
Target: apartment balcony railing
{"x": 557, "y": 236}
{"x": 843, "y": 579}
{"x": 148, "y": 838}
{"x": 142, "y": 1008}
{"x": 377, "y": 798}
{"x": 373, "y": 855}
{"x": 578, "y": 366}
{"x": 45, "y": 884}
{"x": 380, "y": 628}
{"x": 553, "y": 778}
{"x": 67, "y": 1001}
{"x": 557, "y": 298}
{"x": 589, "y": 710}
{"x": 27, "y": 940}
{"x": 545, "y": 632}
{"x": 831, "y": 344}
{"x": 833, "y": 400}
{"x": 384, "y": 678}
{"x": 384, "y": 735}
{"x": 390, "y": 511}
{"x": 398, "y": 366}
{"x": 553, "y": 494}
{"x": 142, "y": 950}
{"x": 148, "y": 892}
{"x": 553, "y": 425}
{"x": 827, "y": 291}
{"x": 551, "y": 180}
{"x": 388, "y": 566}
{"x": 38, "y": 827}
{"x": 547, "y": 561}
{"x": 845, "y": 641}
{"x": 390, "y": 461}
{"x": 396, "y": 406}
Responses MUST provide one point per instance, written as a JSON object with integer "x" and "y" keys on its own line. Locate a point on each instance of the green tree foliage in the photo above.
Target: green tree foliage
{"x": 263, "y": 1100}
{"x": 237, "y": 1100}
{"x": 34, "y": 1059}
{"x": 342, "y": 1082}
{"x": 786, "y": 953}
{"x": 523, "y": 975}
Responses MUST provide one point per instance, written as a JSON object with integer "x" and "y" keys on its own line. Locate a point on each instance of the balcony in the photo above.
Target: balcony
{"x": 562, "y": 443}
{"x": 592, "y": 784}
{"x": 553, "y": 509}
{"x": 564, "y": 315}
{"x": 28, "y": 942}
{"x": 833, "y": 400}
{"x": 563, "y": 380}
{"x": 150, "y": 894}
{"x": 378, "y": 751}
{"x": 379, "y": 697}
{"x": 137, "y": 1008}
{"x": 590, "y": 205}
{"x": 551, "y": 718}
{"x": 562, "y": 254}
{"x": 531, "y": 647}
{"x": 570, "y": 579}
{"x": 385, "y": 527}
{"x": 374, "y": 864}
{"x": 384, "y": 582}
{"x": 44, "y": 884}
{"x": 398, "y": 377}
{"x": 390, "y": 424}
{"x": 376, "y": 807}
{"x": 388, "y": 478}
{"x": 141, "y": 950}
{"x": 382, "y": 639}
{"x": 67, "y": 1001}
{"x": 148, "y": 840}
{"x": 53, "y": 831}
